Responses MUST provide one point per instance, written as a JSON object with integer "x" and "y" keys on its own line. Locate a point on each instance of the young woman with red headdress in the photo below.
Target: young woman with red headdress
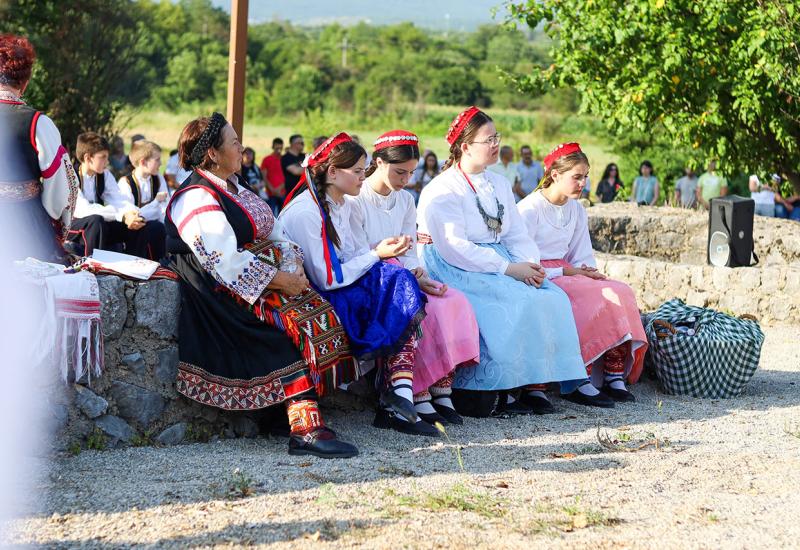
{"x": 380, "y": 304}
{"x": 450, "y": 331}
{"x": 473, "y": 239}
{"x": 609, "y": 326}
{"x": 252, "y": 333}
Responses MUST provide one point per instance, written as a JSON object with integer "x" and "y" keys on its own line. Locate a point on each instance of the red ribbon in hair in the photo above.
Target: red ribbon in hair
{"x": 560, "y": 151}
{"x": 459, "y": 123}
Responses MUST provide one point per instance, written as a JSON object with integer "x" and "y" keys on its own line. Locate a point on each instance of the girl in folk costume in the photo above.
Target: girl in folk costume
{"x": 473, "y": 239}
{"x": 609, "y": 326}
{"x": 380, "y": 304}
{"x": 38, "y": 186}
{"x": 450, "y": 331}
{"x": 252, "y": 333}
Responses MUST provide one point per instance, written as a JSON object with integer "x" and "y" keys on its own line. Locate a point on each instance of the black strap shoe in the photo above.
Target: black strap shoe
{"x": 450, "y": 415}
{"x": 385, "y": 420}
{"x": 515, "y": 408}
{"x": 400, "y": 405}
{"x": 599, "y": 400}
{"x": 311, "y": 444}
{"x": 539, "y": 405}
{"x": 620, "y": 396}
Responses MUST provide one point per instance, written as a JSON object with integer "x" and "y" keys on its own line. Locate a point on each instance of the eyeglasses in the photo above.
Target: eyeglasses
{"x": 492, "y": 140}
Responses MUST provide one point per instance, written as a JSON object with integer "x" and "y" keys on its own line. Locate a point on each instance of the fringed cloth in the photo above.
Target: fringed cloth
{"x": 70, "y": 333}
{"x": 307, "y": 319}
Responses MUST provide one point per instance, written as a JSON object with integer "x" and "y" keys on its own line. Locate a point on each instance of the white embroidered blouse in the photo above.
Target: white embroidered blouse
{"x": 448, "y": 212}
{"x": 560, "y": 232}
{"x": 203, "y": 226}
{"x": 380, "y": 216}
{"x": 302, "y": 222}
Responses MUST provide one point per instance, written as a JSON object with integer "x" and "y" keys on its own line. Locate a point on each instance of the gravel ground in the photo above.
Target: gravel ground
{"x": 725, "y": 474}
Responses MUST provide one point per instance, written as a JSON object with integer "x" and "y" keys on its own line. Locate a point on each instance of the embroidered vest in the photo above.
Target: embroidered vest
{"x": 155, "y": 182}
{"x": 243, "y": 226}
{"x": 19, "y": 160}
{"x": 99, "y": 185}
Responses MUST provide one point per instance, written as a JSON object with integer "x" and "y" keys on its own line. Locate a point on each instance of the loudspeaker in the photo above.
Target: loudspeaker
{"x": 730, "y": 231}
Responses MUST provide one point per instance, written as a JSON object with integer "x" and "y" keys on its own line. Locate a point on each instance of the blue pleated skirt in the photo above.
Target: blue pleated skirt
{"x": 380, "y": 311}
{"x": 527, "y": 334}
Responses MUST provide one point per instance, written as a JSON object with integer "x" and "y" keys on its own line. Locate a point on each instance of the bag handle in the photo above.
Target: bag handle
{"x": 748, "y": 317}
{"x": 664, "y": 325}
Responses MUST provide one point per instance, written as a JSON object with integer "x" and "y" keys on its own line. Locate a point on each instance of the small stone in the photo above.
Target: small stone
{"x": 115, "y": 427}
{"x": 244, "y": 426}
{"x": 136, "y": 403}
{"x": 172, "y": 435}
{"x": 113, "y": 306}
{"x": 157, "y": 305}
{"x": 60, "y": 415}
{"x": 167, "y": 366}
{"x": 134, "y": 362}
{"x": 89, "y": 403}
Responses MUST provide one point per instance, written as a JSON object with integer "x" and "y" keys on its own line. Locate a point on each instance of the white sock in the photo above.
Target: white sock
{"x": 510, "y": 399}
{"x": 403, "y": 389}
{"x": 424, "y": 407}
{"x": 540, "y": 394}
{"x": 588, "y": 389}
{"x": 615, "y": 382}
{"x": 444, "y": 401}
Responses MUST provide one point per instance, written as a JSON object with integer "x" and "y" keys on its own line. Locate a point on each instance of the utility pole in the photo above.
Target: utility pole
{"x": 344, "y": 52}
{"x": 237, "y": 60}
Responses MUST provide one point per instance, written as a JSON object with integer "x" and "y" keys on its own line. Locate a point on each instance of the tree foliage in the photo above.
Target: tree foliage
{"x": 87, "y": 60}
{"x": 718, "y": 77}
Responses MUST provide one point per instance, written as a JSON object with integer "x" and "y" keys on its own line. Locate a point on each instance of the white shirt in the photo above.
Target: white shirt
{"x": 560, "y": 232}
{"x": 203, "y": 226}
{"x": 89, "y": 204}
{"x": 302, "y": 223}
{"x": 380, "y": 216}
{"x": 175, "y": 169}
{"x": 448, "y": 212}
{"x": 59, "y": 181}
{"x": 152, "y": 210}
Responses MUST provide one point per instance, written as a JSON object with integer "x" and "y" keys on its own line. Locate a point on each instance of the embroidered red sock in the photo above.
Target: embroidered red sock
{"x": 305, "y": 418}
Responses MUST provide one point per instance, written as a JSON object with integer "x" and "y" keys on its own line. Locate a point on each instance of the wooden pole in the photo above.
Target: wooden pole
{"x": 237, "y": 61}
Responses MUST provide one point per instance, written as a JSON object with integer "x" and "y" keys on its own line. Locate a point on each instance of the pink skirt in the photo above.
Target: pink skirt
{"x": 606, "y": 316}
{"x": 450, "y": 339}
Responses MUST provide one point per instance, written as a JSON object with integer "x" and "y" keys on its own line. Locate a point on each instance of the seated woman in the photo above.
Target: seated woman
{"x": 609, "y": 326}
{"x": 450, "y": 331}
{"x": 380, "y": 304}
{"x": 474, "y": 240}
{"x": 252, "y": 334}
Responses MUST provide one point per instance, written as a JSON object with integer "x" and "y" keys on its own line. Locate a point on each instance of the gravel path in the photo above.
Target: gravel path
{"x": 726, "y": 474}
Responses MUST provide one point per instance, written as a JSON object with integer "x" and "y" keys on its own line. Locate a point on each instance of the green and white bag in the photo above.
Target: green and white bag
{"x": 700, "y": 352}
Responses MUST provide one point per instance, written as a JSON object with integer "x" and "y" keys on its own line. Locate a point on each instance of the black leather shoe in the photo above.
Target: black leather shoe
{"x": 517, "y": 407}
{"x": 621, "y": 396}
{"x": 385, "y": 420}
{"x": 450, "y": 415}
{"x": 400, "y": 405}
{"x": 599, "y": 400}
{"x": 539, "y": 405}
{"x": 311, "y": 444}
{"x": 432, "y": 418}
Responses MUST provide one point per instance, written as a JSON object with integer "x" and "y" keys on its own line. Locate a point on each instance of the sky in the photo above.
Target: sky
{"x": 453, "y": 15}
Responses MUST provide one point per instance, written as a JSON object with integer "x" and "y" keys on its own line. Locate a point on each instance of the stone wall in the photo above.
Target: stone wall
{"x": 680, "y": 236}
{"x": 771, "y": 294}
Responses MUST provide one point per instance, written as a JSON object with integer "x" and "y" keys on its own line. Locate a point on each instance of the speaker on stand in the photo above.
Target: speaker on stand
{"x": 730, "y": 232}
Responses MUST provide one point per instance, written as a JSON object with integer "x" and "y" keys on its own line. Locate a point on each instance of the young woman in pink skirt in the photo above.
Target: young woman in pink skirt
{"x": 449, "y": 331}
{"x": 613, "y": 342}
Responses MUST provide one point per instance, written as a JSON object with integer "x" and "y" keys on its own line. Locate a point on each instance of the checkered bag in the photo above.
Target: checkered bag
{"x": 701, "y": 352}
